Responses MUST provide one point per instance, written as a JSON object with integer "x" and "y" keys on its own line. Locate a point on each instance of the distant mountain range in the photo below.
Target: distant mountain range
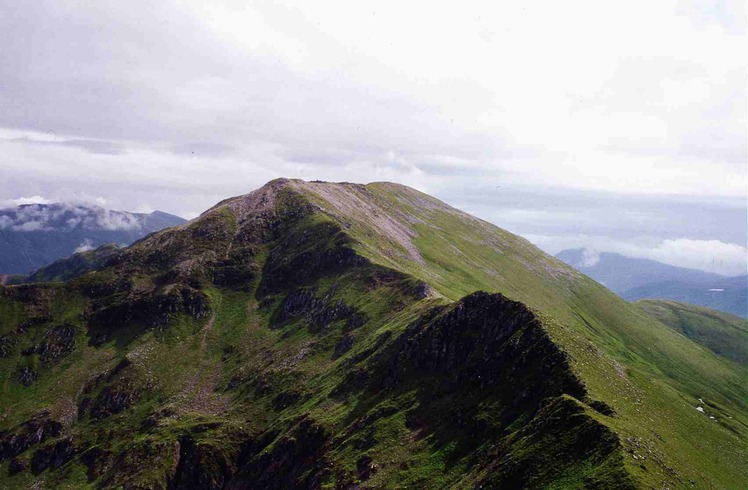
{"x": 35, "y": 235}
{"x": 635, "y": 279}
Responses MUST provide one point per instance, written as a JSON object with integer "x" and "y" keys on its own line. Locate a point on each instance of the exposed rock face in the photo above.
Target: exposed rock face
{"x": 28, "y": 434}
{"x": 201, "y": 467}
{"x": 58, "y": 342}
{"x": 120, "y": 392}
{"x": 52, "y": 455}
{"x": 295, "y": 461}
{"x": 285, "y": 399}
{"x": 483, "y": 353}
{"x": 145, "y": 310}
{"x": 6, "y": 345}
{"x": 320, "y": 312}
{"x": 113, "y": 399}
{"x": 366, "y": 467}
{"x": 483, "y": 342}
{"x": 16, "y": 466}
{"x": 345, "y": 344}
{"x": 26, "y": 376}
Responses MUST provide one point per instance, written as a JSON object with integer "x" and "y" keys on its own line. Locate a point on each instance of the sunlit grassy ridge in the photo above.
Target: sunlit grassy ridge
{"x": 463, "y": 254}
{"x": 724, "y": 334}
{"x": 315, "y": 335}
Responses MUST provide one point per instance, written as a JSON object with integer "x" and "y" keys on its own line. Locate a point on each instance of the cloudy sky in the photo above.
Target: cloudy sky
{"x": 618, "y": 126}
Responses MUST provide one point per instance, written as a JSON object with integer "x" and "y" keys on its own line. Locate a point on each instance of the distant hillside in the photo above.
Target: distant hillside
{"x": 619, "y": 273}
{"x": 35, "y": 235}
{"x": 635, "y": 279}
{"x": 71, "y": 267}
{"x": 724, "y": 334}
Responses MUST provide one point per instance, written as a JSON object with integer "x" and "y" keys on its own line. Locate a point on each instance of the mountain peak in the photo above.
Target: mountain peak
{"x": 312, "y": 334}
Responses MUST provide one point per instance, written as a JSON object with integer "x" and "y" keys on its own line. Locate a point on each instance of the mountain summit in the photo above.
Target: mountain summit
{"x": 35, "y": 235}
{"x": 338, "y": 335}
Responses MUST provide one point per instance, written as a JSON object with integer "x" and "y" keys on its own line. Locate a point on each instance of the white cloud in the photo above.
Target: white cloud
{"x": 708, "y": 255}
{"x": 85, "y": 246}
{"x": 590, "y": 258}
{"x": 729, "y": 259}
{"x": 111, "y": 220}
{"x": 8, "y": 203}
{"x": 31, "y": 226}
{"x": 67, "y": 216}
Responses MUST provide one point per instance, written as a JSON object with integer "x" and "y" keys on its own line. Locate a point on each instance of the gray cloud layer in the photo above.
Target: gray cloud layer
{"x": 534, "y": 117}
{"x": 64, "y": 216}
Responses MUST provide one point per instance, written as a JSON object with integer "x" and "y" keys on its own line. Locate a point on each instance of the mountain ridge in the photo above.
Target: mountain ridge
{"x": 298, "y": 323}
{"x": 720, "y": 332}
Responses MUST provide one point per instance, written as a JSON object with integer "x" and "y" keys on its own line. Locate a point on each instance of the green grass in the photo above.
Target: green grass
{"x": 724, "y": 334}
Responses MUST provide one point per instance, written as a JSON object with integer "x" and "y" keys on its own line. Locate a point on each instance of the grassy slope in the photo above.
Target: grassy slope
{"x": 665, "y": 373}
{"x": 725, "y": 334}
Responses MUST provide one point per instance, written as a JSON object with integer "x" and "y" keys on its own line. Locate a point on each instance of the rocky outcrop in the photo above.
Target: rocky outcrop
{"x": 483, "y": 342}
{"x": 7, "y": 342}
{"x": 16, "y": 466}
{"x": 295, "y": 460}
{"x": 52, "y": 456}
{"x": 121, "y": 390}
{"x": 319, "y": 311}
{"x": 59, "y": 341}
{"x": 143, "y": 310}
{"x": 201, "y": 466}
{"x": 305, "y": 253}
{"x": 37, "y": 299}
{"x": 26, "y": 376}
{"x": 113, "y": 400}
{"x": 344, "y": 345}
{"x": 28, "y": 434}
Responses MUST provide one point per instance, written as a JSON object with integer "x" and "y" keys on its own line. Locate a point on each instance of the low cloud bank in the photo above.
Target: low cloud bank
{"x": 64, "y": 216}
{"x": 11, "y": 203}
{"x": 85, "y": 246}
{"x": 728, "y": 259}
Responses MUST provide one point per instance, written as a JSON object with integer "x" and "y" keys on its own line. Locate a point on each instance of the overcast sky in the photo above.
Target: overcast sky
{"x": 618, "y": 126}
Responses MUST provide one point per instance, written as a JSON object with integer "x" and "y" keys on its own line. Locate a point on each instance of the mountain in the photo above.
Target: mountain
{"x": 724, "y": 334}
{"x": 312, "y": 334}
{"x": 619, "y": 273}
{"x": 35, "y": 235}
{"x": 635, "y": 279}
